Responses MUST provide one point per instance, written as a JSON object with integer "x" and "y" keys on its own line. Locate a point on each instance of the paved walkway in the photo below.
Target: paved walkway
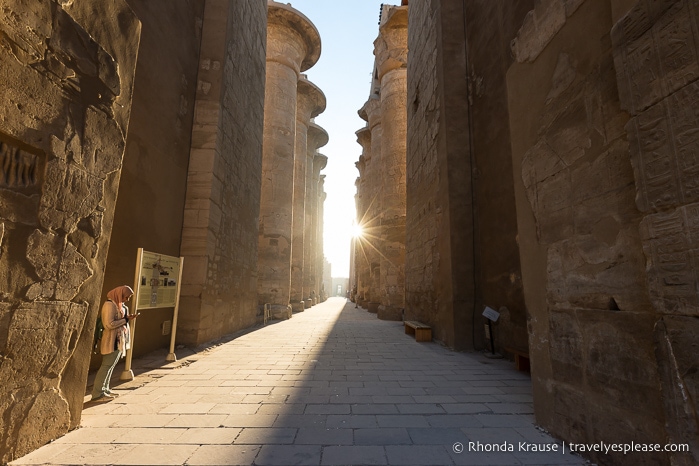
{"x": 333, "y": 385}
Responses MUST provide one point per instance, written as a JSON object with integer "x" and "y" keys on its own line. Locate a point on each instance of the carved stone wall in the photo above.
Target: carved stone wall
{"x": 656, "y": 56}
{"x": 603, "y": 122}
{"x": 462, "y": 251}
{"x": 219, "y": 294}
{"x": 439, "y": 280}
{"x": 66, "y": 77}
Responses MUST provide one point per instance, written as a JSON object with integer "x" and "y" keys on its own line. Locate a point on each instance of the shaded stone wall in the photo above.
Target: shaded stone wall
{"x": 656, "y": 56}
{"x": 66, "y": 81}
{"x": 490, "y": 27}
{"x": 149, "y": 212}
{"x": 223, "y": 183}
{"x": 439, "y": 243}
{"x": 602, "y": 119}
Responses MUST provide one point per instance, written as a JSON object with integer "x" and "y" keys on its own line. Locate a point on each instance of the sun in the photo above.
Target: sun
{"x": 357, "y": 231}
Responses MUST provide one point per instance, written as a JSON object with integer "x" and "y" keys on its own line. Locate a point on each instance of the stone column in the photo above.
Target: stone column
{"x": 317, "y": 137}
{"x": 371, "y": 112}
{"x": 391, "y": 50}
{"x": 310, "y": 103}
{"x": 320, "y": 256}
{"x": 364, "y": 246}
{"x": 319, "y": 162}
{"x": 293, "y": 45}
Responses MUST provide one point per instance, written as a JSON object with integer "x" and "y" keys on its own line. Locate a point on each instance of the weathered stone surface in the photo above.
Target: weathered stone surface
{"x": 221, "y": 208}
{"x": 320, "y": 161}
{"x": 539, "y": 27}
{"x": 310, "y": 103}
{"x": 293, "y": 45}
{"x": 391, "y": 50}
{"x": 585, "y": 185}
{"x": 66, "y": 71}
{"x": 676, "y": 350}
{"x": 317, "y": 138}
{"x": 671, "y": 244}
{"x": 42, "y": 337}
{"x": 371, "y": 222}
{"x": 657, "y": 63}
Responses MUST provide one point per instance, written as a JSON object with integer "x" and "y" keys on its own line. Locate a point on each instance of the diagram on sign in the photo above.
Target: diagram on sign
{"x": 158, "y": 287}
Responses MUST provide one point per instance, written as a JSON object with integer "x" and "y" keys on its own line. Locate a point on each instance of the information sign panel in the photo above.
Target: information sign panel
{"x": 158, "y": 282}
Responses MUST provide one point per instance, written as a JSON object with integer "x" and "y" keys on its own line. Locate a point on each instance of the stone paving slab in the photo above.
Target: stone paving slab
{"x": 332, "y": 385}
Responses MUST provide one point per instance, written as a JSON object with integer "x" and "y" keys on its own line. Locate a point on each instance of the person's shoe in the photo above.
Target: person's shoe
{"x": 103, "y": 398}
{"x": 112, "y": 394}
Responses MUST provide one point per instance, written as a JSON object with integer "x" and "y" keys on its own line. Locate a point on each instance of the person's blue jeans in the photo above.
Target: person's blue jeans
{"x": 104, "y": 374}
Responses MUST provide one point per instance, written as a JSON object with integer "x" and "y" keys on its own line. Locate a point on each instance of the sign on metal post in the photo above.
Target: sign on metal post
{"x": 492, "y": 315}
{"x": 156, "y": 284}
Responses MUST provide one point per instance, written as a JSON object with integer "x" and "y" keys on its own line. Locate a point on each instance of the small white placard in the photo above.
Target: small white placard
{"x": 490, "y": 313}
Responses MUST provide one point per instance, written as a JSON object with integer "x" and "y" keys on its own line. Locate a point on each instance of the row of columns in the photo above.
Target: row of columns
{"x": 290, "y": 234}
{"x": 379, "y": 252}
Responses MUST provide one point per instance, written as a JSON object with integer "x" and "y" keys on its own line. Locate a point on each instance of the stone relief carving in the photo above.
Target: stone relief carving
{"x": 18, "y": 168}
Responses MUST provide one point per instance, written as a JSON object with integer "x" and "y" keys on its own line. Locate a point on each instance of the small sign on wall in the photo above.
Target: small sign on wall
{"x": 491, "y": 314}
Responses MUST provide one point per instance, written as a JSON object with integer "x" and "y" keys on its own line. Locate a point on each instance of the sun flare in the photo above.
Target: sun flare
{"x": 357, "y": 231}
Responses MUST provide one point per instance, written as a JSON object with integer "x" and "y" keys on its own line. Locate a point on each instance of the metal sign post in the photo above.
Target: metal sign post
{"x": 492, "y": 315}
{"x": 171, "y": 355}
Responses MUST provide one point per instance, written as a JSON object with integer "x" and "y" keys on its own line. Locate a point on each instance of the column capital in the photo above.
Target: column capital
{"x": 317, "y": 138}
{"x": 360, "y": 164}
{"x": 320, "y": 161}
{"x": 371, "y": 111}
{"x": 364, "y": 137}
{"x": 292, "y": 39}
{"x": 391, "y": 47}
{"x": 311, "y": 100}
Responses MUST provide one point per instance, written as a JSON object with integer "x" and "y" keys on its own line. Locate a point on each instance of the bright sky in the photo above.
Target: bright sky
{"x": 347, "y": 32}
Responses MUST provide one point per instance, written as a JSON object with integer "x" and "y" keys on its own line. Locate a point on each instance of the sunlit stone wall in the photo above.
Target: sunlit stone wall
{"x": 66, "y": 77}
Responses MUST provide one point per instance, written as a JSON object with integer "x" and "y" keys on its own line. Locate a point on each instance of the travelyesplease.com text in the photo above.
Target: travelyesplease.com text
{"x": 563, "y": 448}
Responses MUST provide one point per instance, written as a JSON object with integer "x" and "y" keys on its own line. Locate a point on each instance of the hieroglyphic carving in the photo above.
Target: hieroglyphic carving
{"x": 653, "y": 159}
{"x": 676, "y": 48}
{"x": 20, "y": 169}
{"x": 671, "y": 242}
{"x": 684, "y": 123}
{"x": 655, "y": 52}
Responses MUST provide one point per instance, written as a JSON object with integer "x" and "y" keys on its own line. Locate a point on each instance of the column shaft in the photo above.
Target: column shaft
{"x": 393, "y": 193}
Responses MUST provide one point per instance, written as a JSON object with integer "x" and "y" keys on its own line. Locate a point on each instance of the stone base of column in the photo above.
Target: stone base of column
{"x": 390, "y": 313}
{"x": 373, "y": 307}
{"x": 298, "y": 306}
{"x": 281, "y": 312}
{"x": 308, "y": 302}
